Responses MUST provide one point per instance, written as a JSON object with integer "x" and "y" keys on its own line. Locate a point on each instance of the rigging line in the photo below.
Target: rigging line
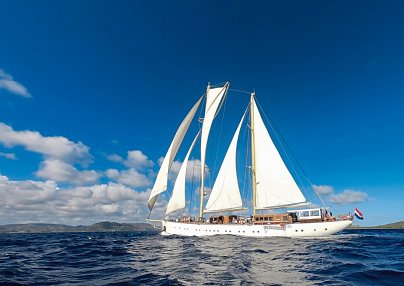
{"x": 192, "y": 188}
{"x": 247, "y": 152}
{"x": 282, "y": 140}
{"x": 241, "y": 91}
{"x": 221, "y": 189}
{"x": 223, "y": 101}
{"x": 220, "y": 137}
{"x": 195, "y": 184}
{"x": 246, "y": 168}
{"x": 220, "y": 84}
{"x": 294, "y": 156}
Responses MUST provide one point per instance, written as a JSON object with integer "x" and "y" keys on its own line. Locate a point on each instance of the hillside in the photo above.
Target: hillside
{"x": 104, "y": 226}
{"x": 395, "y": 225}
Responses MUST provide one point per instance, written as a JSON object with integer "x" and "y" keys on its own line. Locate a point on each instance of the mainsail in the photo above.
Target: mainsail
{"x": 225, "y": 193}
{"x": 275, "y": 186}
{"x": 162, "y": 178}
{"x": 177, "y": 200}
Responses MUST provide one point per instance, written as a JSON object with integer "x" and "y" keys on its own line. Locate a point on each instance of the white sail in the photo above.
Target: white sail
{"x": 160, "y": 184}
{"x": 225, "y": 193}
{"x": 177, "y": 200}
{"x": 275, "y": 185}
{"x": 213, "y": 98}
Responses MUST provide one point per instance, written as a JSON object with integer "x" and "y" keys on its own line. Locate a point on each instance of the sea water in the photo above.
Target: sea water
{"x": 353, "y": 257}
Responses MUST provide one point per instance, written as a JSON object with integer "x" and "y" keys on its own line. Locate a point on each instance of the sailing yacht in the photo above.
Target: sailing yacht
{"x": 278, "y": 206}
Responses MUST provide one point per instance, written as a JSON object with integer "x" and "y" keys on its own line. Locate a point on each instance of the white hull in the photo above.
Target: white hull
{"x": 250, "y": 230}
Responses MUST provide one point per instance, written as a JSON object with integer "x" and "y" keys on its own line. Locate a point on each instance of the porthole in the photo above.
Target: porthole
{"x": 325, "y": 229}
{"x": 314, "y": 229}
{"x": 302, "y": 230}
{"x": 296, "y": 230}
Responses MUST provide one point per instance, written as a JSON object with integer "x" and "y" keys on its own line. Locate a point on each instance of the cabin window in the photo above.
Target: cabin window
{"x": 265, "y": 218}
{"x": 304, "y": 213}
{"x": 315, "y": 213}
{"x": 285, "y": 218}
{"x": 271, "y": 219}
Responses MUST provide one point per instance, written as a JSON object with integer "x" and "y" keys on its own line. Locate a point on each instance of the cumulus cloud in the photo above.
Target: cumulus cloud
{"x": 193, "y": 170}
{"x": 136, "y": 159}
{"x": 59, "y": 171}
{"x": 130, "y": 177}
{"x": 8, "y": 83}
{"x": 56, "y": 147}
{"x": 323, "y": 189}
{"x": 349, "y": 196}
{"x": 115, "y": 158}
{"x": 35, "y": 201}
{"x": 10, "y": 156}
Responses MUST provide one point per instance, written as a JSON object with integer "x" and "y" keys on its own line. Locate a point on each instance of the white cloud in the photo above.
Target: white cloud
{"x": 136, "y": 159}
{"x": 130, "y": 177}
{"x": 34, "y": 201}
{"x": 56, "y": 147}
{"x": 349, "y": 196}
{"x": 10, "y": 156}
{"x": 115, "y": 158}
{"x": 323, "y": 189}
{"x": 112, "y": 173}
{"x": 193, "y": 170}
{"x": 59, "y": 171}
{"x": 8, "y": 83}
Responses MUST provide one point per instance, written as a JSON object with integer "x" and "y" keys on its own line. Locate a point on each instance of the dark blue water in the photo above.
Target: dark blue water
{"x": 371, "y": 257}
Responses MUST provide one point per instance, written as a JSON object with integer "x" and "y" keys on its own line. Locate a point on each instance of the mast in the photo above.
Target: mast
{"x": 202, "y": 177}
{"x": 253, "y": 179}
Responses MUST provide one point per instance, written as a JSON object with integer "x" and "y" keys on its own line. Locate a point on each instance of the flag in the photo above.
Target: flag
{"x": 358, "y": 214}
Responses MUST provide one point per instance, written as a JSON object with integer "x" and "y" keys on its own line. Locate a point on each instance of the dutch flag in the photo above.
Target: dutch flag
{"x": 358, "y": 214}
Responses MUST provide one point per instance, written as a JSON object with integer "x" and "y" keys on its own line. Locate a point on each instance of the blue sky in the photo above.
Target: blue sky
{"x": 91, "y": 93}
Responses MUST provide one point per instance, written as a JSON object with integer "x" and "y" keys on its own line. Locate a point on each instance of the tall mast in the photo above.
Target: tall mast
{"x": 254, "y": 180}
{"x": 203, "y": 177}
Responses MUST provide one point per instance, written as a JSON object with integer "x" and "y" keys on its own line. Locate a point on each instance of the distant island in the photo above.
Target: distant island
{"x": 104, "y": 226}
{"x": 107, "y": 226}
{"x": 395, "y": 225}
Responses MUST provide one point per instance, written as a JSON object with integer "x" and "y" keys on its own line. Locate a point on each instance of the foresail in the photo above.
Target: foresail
{"x": 225, "y": 193}
{"x": 275, "y": 185}
{"x": 160, "y": 184}
{"x": 213, "y": 98}
{"x": 177, "y": 200}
